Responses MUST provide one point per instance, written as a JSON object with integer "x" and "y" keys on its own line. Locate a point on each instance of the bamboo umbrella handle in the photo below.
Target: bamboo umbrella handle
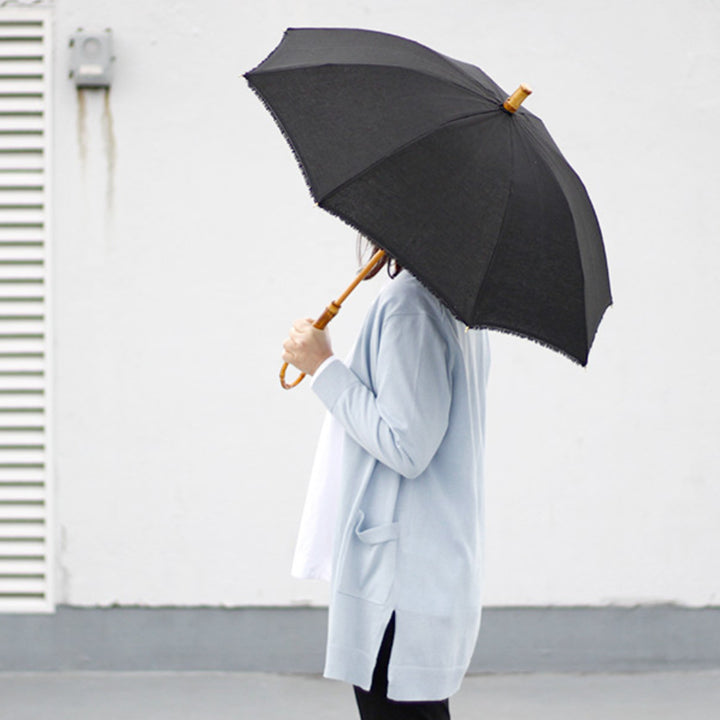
{"x": 332, "y": 310}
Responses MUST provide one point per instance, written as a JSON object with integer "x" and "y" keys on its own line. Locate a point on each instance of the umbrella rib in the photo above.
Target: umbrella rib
{"x": 544, "y": 155}
{"x": 502, "y": 224}
{"x": 544, "y": 159}
{"x": 398, "y": 150}
{"x": 475, "y": 90}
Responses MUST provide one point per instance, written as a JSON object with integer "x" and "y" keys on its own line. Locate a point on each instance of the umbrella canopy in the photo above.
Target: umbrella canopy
{"x": 416, "y": 151}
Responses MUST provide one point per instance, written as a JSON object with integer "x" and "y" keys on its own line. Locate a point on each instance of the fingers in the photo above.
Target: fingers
{"x": 306, "y": 346}
{"x": 302, "y": 324}
{"x": 298, "y": 330}
{"x": 290, "y": 347}
{"x": 293, "y": 342}
{"x": 304, "y": 340}
{"x": 301, "y": 329}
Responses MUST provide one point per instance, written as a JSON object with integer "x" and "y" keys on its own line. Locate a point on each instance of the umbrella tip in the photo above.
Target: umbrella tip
{"x": 516, "y": 99}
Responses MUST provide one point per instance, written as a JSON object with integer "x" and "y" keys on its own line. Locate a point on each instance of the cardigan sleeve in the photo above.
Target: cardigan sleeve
{"x": 403, "y": 419}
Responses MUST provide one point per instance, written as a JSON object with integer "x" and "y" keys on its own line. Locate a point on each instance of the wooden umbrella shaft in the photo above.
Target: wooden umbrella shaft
{"x": 334, "y": 308}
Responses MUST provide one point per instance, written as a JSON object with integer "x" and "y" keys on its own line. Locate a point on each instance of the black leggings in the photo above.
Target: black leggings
{"x": 374, "y": 705}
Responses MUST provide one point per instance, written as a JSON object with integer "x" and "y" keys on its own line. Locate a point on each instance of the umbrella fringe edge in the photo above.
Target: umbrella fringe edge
{"x": 546, "y": 343}
{"x": 296, "y": 154}
{"x": 537, "y": 341}
{"x": 485, "y": 326}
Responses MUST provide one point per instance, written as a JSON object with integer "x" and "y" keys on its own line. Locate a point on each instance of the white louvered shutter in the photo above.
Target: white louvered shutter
{"x": 25, "y": 483}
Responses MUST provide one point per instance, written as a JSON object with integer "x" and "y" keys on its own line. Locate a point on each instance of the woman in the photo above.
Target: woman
{"x": 403, "y": 476}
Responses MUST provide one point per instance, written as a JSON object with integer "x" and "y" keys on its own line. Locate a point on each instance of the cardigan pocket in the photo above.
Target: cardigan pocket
{"x": 368, "y": 567}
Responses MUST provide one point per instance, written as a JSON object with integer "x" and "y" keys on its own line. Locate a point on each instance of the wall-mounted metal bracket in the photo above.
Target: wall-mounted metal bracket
{"x": 91, "y": 59}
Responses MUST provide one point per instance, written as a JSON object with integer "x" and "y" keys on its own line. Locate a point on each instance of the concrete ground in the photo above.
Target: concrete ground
{"x": 259, "y": 696}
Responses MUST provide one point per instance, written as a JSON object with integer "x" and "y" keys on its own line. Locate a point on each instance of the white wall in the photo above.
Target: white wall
{"x": 183, "y": 254}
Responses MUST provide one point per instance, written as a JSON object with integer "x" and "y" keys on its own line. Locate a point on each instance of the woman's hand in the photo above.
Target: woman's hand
{"x": 306, "y": 347}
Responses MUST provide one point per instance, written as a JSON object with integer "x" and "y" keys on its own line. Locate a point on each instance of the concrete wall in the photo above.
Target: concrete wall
{"x": 186, "y": 243}
{"x": 292, "y": 640}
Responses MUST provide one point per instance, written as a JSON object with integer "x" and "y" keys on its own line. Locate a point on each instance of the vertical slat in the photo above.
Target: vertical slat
{"x": 26, "y": 538}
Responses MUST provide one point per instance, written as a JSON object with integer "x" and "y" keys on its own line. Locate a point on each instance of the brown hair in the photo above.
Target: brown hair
{"x": 364, "y": 245}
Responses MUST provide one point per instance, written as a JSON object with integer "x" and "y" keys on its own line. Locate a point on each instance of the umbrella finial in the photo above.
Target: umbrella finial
{"x": 516, "y": 99}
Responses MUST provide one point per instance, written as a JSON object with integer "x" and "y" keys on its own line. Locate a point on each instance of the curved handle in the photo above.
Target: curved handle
{"x": 332, "y": 310}
{"x": 285, "y": 385}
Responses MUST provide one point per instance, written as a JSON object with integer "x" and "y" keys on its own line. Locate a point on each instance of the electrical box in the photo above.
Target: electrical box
{"x": 91, "y": 58}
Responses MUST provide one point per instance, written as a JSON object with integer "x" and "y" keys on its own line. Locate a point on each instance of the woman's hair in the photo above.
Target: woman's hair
{"x": 364, "y": 246}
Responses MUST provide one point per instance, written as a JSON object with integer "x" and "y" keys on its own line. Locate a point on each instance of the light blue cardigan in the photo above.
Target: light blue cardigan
{"x": 410, "y": 532}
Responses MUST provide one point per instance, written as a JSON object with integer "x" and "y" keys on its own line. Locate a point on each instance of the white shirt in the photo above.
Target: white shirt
{"x": 313, "y": 550}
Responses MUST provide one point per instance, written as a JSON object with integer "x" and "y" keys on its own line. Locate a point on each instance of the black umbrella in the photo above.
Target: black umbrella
{"x": 425, "y": 156}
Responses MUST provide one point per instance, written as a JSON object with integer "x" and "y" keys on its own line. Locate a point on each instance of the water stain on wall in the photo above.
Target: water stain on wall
{"x": 108, "y": 135}
{"x": 110, "y": 150}
{"x": 81, "y": 121}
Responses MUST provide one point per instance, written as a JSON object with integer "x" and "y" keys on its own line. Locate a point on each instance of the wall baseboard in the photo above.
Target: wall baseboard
{"x": 292, "y": 640}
